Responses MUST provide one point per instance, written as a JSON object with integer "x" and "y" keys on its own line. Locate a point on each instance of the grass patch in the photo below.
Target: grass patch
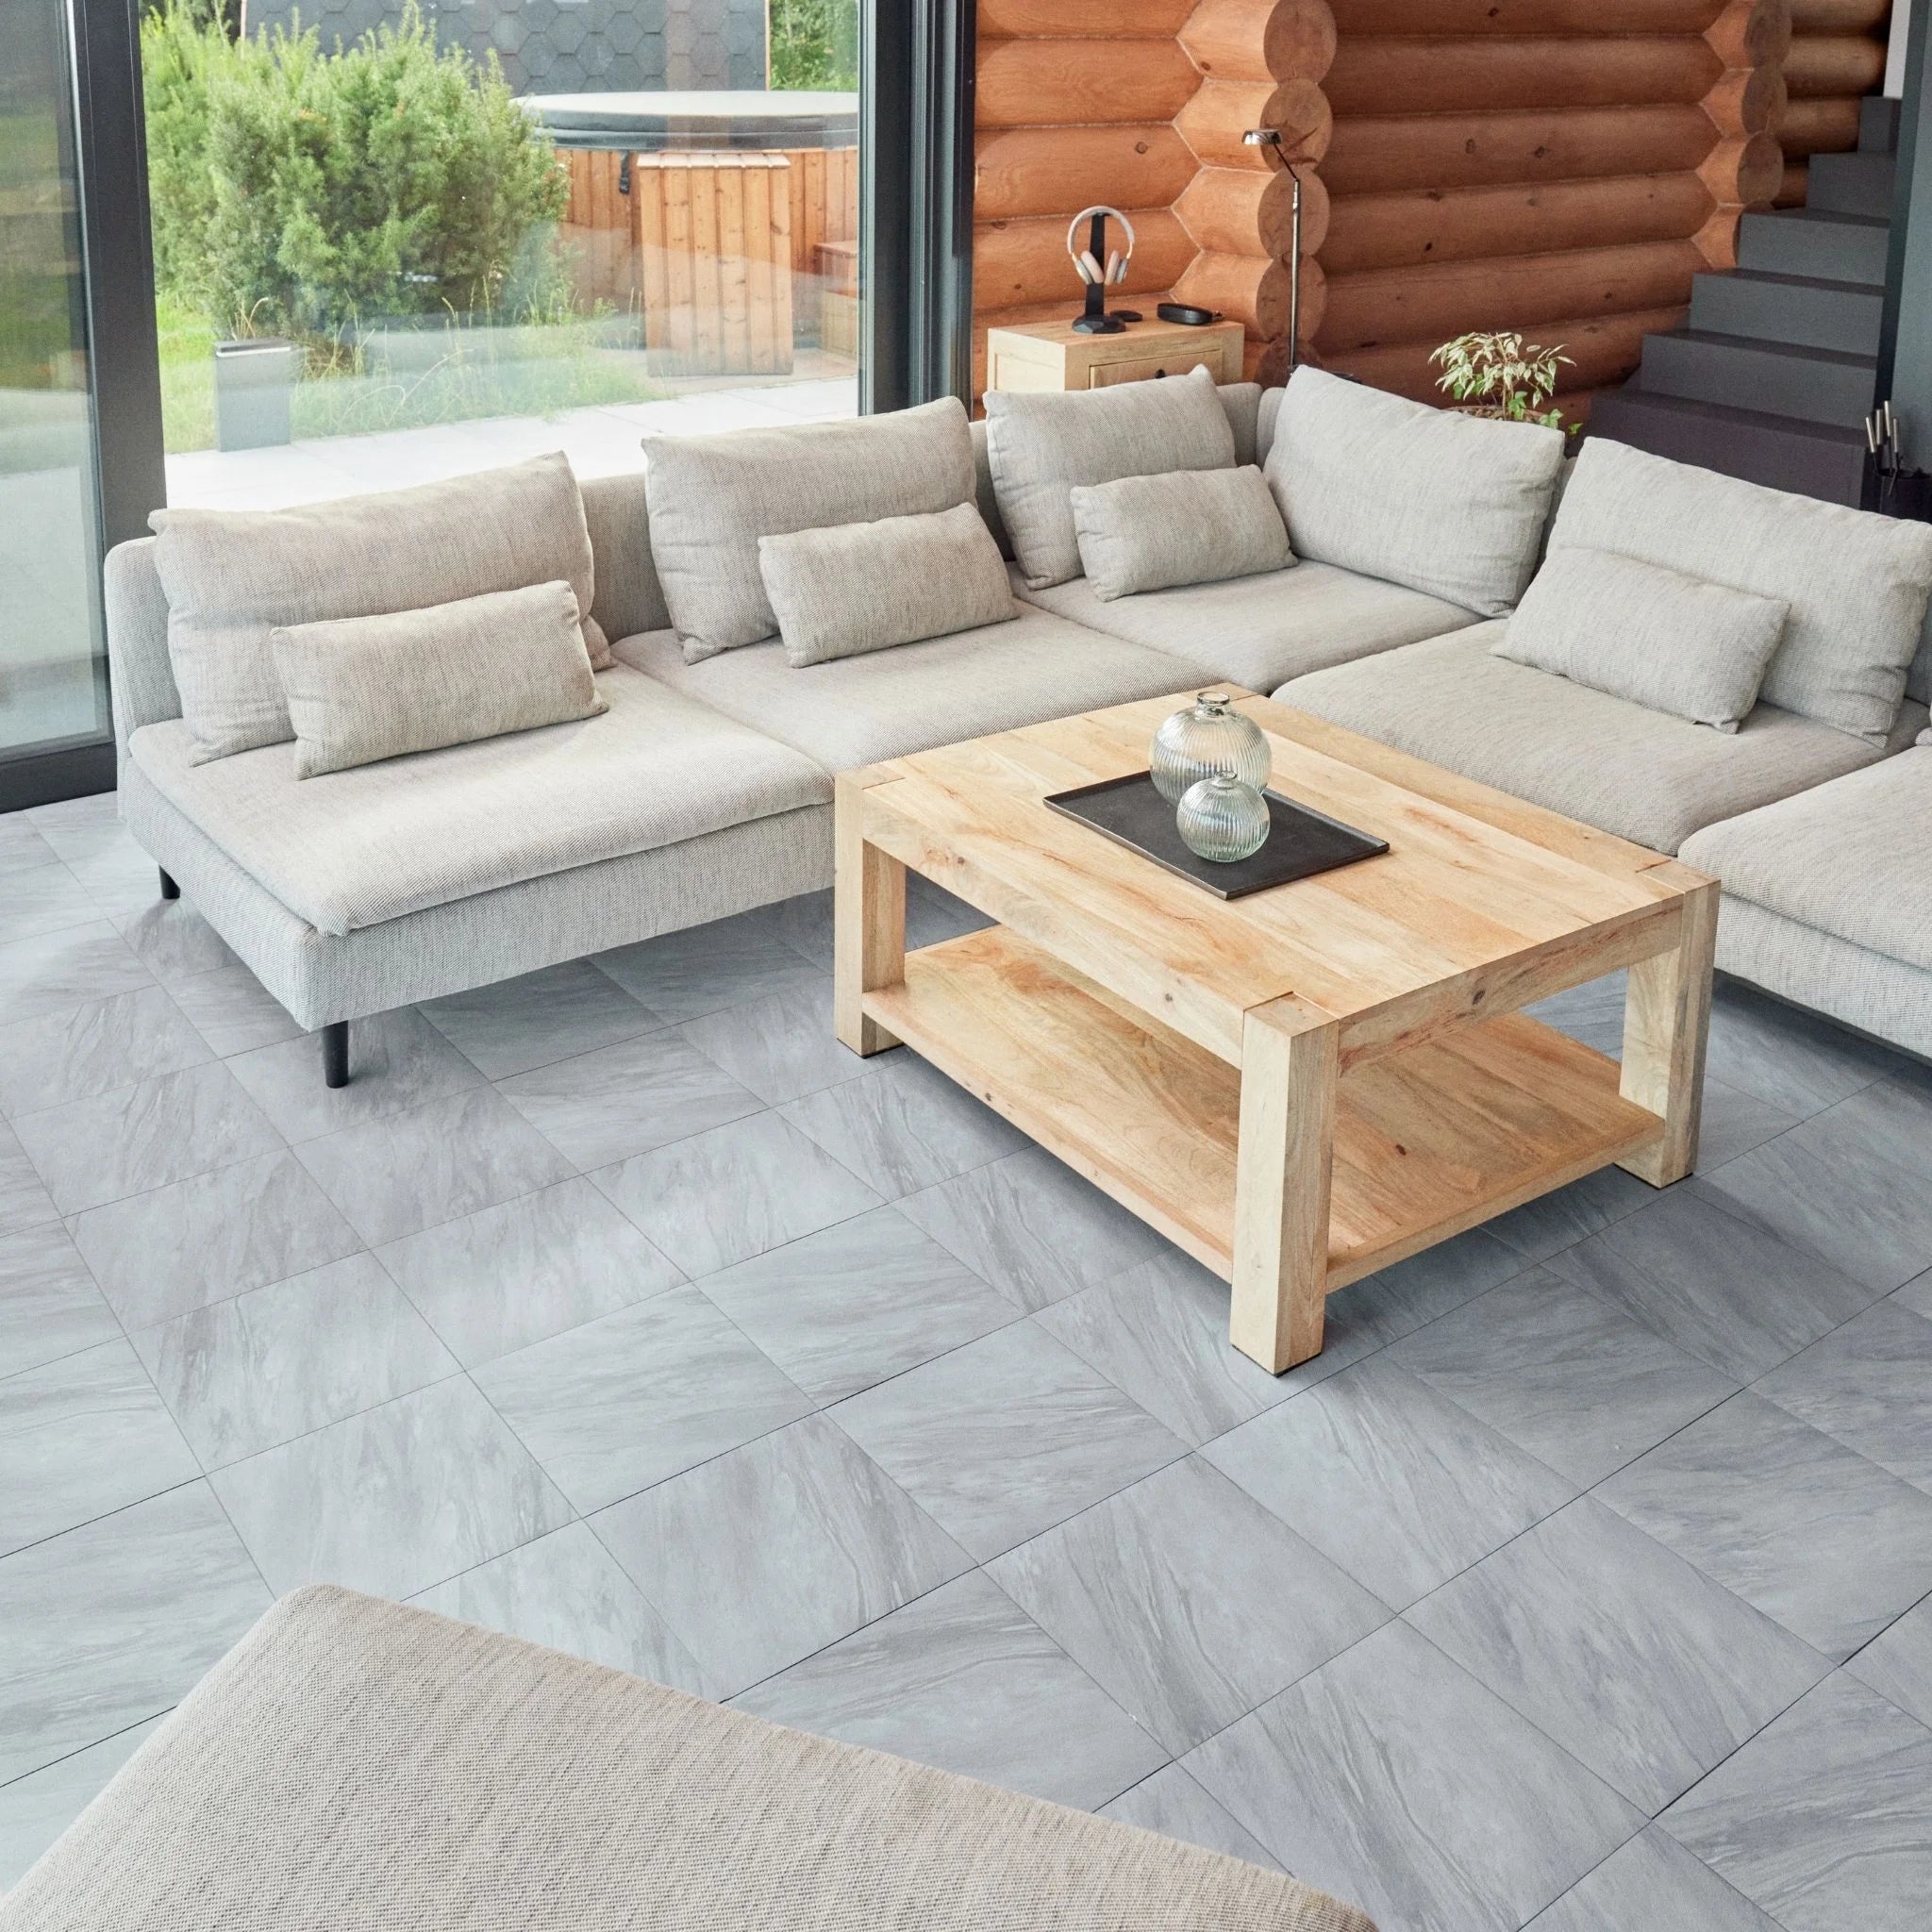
{"x": 411, "y": 379}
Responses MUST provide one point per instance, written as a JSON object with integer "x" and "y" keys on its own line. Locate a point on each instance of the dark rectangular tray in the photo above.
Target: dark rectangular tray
{"x": 1302, "y": 842}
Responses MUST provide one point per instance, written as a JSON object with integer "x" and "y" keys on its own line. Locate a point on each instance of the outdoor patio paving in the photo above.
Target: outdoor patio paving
{"x": 600, "y": 442}
{"x": 1582, "y": 1582}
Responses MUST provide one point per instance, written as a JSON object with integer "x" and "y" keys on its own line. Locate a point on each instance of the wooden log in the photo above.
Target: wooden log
{"x": 1746, "y": 173}
{"x": 1833, "y": 64}
{"x": 1044, "y": 19}
{"x": 1025, "y": 260}
{"x": 1445, "y": 77}
{"x": 1374, "y": 307}
{"x": 1752, "y": 33}
{"x": 1042, "y": 171}
{"x": 1274, "y": 39}
{"x": 1237, "y": 211}
{"x": 1221, "y": 111}
{"x": 1046, "y": 83}
{"x": 1828, "y": 126}
{"x": 1509, "y": 17}
{"x": 1253, "y": 291}
{"x": 1603, "y": 349}
{"x": 1377, "y": 154}
{"x": 1841, "y": 16}
{"x": 1795, "y": 186}
{"x": 1425, "y": 224}
{"x": 1746, "y": 101}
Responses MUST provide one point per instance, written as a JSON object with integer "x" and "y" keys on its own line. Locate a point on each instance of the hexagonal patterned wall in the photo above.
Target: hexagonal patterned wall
{"x": 571, "y": 46}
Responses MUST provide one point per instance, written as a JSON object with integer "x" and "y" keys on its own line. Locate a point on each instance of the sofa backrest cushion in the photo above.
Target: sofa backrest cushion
{"x": 232, "y": 576}
{"x": 712, "y": 497}
{"x": 1673, "y": 642}
{"x": 1042, "y": 444}
{"x": 364, "y": 688}
{"x": 855, "y": 588}
{"x": 617, "y": 513}
{"x": 1450, "y": 505}
{"x": 1857, "y": 584}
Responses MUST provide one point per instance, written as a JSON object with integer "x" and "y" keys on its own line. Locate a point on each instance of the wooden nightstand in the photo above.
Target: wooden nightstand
{"x": 1052, "y": 354}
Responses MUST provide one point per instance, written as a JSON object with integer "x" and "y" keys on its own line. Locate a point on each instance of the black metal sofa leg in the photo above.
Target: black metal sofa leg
{"x": 335, "y": 1053}
{"x": 168, "y": 888}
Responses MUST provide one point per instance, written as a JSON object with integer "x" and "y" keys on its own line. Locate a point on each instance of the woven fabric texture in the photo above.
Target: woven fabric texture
{"x": 366, "y": 1766}
{"x": 1189, "y": 526}
{"x": 232, "y": 576}
{"x": 854, "y": 588}
{"x": 1857, "y": 584}
{"x": 1659, "y": 638}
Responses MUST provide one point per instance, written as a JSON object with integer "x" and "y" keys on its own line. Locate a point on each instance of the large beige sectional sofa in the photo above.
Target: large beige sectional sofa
{"x": 705, "y": 788}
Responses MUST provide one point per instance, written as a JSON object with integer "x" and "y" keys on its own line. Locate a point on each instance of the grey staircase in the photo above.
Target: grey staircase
{"x": 1773, "y": 375}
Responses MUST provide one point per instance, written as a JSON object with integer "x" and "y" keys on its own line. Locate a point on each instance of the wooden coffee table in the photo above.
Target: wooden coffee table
{"x": 1303, "y": 1086}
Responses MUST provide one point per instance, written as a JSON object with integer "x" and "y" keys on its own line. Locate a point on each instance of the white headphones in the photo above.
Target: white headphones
{"x": 1089, "y": 269}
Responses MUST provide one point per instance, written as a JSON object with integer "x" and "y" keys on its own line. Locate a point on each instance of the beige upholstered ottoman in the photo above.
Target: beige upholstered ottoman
{"x": 357, "y": 1766}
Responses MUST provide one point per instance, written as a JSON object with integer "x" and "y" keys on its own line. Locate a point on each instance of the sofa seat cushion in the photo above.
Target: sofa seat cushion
{"x": 1259, "y": 631}
{"x": 856, "y": 711}
{"x": 352, "y": 849}
{"x": 1642, "y": 774}
{"x": 1852, "y": 857}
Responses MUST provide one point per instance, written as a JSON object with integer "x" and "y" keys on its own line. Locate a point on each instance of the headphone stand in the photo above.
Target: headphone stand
{"x": 1093, "y": 320}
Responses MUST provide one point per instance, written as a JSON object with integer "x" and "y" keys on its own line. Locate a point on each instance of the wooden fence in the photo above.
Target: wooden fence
{"x": 719, "y": 252}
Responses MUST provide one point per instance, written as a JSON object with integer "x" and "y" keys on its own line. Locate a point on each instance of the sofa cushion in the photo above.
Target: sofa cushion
{"x": 855, "y": 588}
{"x": 857, "y": 710}
{"x": 1258, "y": 631}
{"x": 1856, "y": 583}
{"x": 1638, "y": 631}
{"x": 1450, "y": 505}
{"x": 1852, "y": 858}
{"x": 1644, "y": 777}
{"x": 1189, "y": 526}
{"x": 231, "y": 576}
{"x": 712, "y": 497}
{"x": 370, "y": 1766}
{"x": 1041, "y": 444}
{"x": 362, "y": 689}
{"x": 355, "y": 848}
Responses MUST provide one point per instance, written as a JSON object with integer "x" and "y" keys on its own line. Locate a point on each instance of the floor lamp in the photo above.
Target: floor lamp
{"x": 1269, "y": 140}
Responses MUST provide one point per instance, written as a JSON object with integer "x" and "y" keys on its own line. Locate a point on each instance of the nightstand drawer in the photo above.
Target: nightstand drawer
{"x": 1149, "y": 367}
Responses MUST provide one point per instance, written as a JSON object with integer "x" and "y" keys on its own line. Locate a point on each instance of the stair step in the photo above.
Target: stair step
{"x": 1815, "y": 241}
{"x": 1809, "y": 459}
{"x": 1800, "y": 309}
{"x": 1852, "y": 184}
{"x": 1777, "y": 378}
{"x": 1878, "y": 125}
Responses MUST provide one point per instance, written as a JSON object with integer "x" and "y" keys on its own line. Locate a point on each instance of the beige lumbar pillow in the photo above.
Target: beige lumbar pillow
{"x": 232, "y": 576}
{"x": 1191, "y": 526}
{"x": 362, "y": 689}
{"x": 866, "y": 587}
{"x": 1637, "y": 630}
{"x": 1043, "y": 446}
{"x": 714, "y": 497}
{"x": 1449, "y": 504}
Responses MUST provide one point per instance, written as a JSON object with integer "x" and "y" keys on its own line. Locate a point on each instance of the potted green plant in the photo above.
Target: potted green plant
{"x": 1503, "y": 376}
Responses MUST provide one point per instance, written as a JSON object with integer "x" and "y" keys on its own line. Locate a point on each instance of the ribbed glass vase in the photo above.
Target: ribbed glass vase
{"x": 1210, "y": 736}
{"x": 1222, "y": 819}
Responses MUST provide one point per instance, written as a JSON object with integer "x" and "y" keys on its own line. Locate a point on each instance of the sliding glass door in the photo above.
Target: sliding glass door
{"x": 53, "y": 684}
{"x": 394, "y": 242}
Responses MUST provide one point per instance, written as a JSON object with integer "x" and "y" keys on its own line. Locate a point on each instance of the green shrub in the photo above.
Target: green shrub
{"x": 304, "y": 193}
{"x": 815, "y": 44}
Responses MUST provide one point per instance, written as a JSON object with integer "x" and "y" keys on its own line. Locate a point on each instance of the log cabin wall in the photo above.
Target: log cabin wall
{"x": 1838, "y": 55}
{"x": 1560, "y": 166}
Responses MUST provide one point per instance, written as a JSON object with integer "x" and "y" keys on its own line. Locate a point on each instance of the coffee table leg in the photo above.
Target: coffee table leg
{"x": 1282, "y": 1174}
{"x": 868, "y": 919}
{"x": 1666, "y": 1023}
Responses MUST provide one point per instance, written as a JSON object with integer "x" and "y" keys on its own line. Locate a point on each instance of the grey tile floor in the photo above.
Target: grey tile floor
{"x": 1584, "y": 1581}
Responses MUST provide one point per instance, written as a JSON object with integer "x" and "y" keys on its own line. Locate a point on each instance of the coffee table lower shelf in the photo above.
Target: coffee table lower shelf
{"x": 1428, "y": 1142}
